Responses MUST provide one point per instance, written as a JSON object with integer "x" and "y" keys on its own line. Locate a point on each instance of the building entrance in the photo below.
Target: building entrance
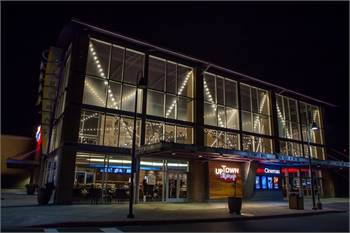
{"x": 176, "y": 187}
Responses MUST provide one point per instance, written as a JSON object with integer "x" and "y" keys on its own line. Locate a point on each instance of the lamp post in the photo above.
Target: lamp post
{"x": 313, "y": 127}
{"x": 140, "y": 83}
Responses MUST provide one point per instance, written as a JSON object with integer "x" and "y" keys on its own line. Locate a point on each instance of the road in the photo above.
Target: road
{"x": 336, "y": 222}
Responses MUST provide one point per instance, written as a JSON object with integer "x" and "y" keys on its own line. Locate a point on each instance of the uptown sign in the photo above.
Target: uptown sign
{"x": 227, "y": 174}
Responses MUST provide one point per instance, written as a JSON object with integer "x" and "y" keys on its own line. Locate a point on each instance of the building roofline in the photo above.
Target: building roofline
{"x": 142, "y": 43}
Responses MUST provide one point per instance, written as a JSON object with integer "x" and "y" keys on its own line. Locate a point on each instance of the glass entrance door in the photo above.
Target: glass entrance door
{"x": 176, "y": 186}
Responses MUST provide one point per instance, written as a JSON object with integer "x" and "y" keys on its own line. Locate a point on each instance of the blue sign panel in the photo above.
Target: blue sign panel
{"x": 257, "y": 182}
{"x": 263, "y": 182}
{"x": 269, "y": 182}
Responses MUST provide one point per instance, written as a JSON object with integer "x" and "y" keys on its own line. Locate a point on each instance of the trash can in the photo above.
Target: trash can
{"x": 292, "y": 200}
{"x": 300, "y": 202}
{"x": 295, "y": 201}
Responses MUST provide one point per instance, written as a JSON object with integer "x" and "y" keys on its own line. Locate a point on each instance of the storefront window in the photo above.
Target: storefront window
{"x": 316, "y": 152}
{"x": 221, "y": 139}
{"x": 103, "y": 178}
{"x": 255, "y": 105}
{"x": 290, "y": 148}
{"x": 220, "y": 102}
{"x": 257, "y": 144}
{"x": 109, "y": 130}
{"x": 160, "y": 131}
{"x": 91, "y": 127}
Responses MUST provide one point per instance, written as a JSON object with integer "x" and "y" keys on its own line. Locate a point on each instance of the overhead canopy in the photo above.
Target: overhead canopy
{"x": 178, "y": 151}
{"x": 23, "y": 161}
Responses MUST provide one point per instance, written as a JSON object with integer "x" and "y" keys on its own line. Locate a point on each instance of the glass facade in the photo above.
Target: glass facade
{"x": 257, "y": 144}
{"x": 288, "y": 118}
{"x": 170, "y": 90}
{"x": 255, "y": 106}
{"x": 111, "y": 76}
{"x": 309, "y": 114}
{"x": 220, "y": 102}
{"x": 110, "y": 83}
{"x": 291, "y": 148}
{"x": 107, "y": 129}
{"x": 160, "y": 131}
{"x": 221, "y": 139}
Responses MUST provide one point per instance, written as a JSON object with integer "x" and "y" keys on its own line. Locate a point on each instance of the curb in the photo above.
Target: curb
{"x": 175, "y": 221}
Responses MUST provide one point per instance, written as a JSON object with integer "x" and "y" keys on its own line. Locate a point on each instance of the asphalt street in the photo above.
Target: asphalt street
{"x": 336, "y": 222}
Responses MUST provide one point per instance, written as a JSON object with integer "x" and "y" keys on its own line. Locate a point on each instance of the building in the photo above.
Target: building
{"x": 17, "y": 161}
{"x": 203, "y": 132}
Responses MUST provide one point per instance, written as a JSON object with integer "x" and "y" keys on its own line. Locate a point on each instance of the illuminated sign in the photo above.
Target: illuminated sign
{"x": 227, "y": 174}
{"x": 272, "y": 171}
{"x": 116, "y": 170}
{"x": 267, "y": 171}
{"x": 38, "y": 134}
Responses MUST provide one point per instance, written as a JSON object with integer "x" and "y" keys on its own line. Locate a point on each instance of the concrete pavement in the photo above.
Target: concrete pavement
{"x": 29, "y": 214}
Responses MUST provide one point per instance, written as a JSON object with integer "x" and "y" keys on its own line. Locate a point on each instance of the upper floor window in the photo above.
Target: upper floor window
{"x": 170, "y": 90}
{"x": 220, "y": 102}
{"x": 255, "y": 105}
{"x": 288, "y": 117}
{"x": 111, "y": 76}
{"x": 309, "y": 114}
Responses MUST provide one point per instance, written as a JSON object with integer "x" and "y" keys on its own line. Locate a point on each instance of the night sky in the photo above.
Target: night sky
{"x": 298, "y": 45}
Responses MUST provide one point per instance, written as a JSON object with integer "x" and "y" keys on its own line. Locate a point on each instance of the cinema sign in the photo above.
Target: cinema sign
{"x": 227, "y": 174}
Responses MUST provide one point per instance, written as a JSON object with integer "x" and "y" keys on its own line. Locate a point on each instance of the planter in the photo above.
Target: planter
{"x": 235, "y": 205}
{"x": 30, "y": 189}
{"x": 43, "y": 196}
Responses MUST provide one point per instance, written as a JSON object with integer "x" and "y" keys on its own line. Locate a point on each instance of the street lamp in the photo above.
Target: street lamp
{"x": 140, "y": 83}
{"x": 313, "y": 128}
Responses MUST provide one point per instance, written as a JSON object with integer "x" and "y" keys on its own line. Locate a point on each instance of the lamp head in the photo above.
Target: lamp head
{"x": 141, "y": 80}
{"x": 314, "y": 126}
{"x": 142, "y": 83}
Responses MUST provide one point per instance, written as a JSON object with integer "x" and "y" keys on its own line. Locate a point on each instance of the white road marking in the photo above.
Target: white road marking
{"x": 50, "y": 230}
{"x": 112, "y": 229}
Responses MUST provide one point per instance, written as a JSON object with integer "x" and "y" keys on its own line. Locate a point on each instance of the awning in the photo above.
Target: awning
{"x": 22, "y": 161}
{"x": 177, "y": 151}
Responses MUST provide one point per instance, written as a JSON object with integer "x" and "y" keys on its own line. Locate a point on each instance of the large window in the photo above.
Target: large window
{"x": 220, "y": 102}
{"x": 291, "y": 148}
{"x": 255, "y": 105}
{"x": 310, "y": 113}
{"x": 109, "y": 130}
{"x": 160, "y": 131}
{"x": 170, "y": 90}
{"x": 221, "y": 139}
{"x": 288, "y": 118}
{"x": 257, "y": 144}
{"x": 316, "y": 152}
{"x": 111, "y": 76}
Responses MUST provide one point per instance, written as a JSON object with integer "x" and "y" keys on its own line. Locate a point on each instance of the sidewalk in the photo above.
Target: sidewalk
{"x": 16, "y": 215}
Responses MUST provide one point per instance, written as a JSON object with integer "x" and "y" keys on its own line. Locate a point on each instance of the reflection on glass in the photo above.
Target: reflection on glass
{"x": 133, "y": 64}
{"x": 154, "y": 132}
{"x": 91, "y": 128}
{"x": 98, "y": 58}
{"x": 255, "y": 105}
{"x": 113, "y": 96}
{"x": 184, "y": 109}
{"x": 221, "y": 139}
{"x": 155, "y": 103}
{"x": 170, "y": 133}
{"x": 94, "y": 92}
{"x": 117, "y": 63}
{"x": 156, "y": 73}
{"x": 257, "y": 144}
